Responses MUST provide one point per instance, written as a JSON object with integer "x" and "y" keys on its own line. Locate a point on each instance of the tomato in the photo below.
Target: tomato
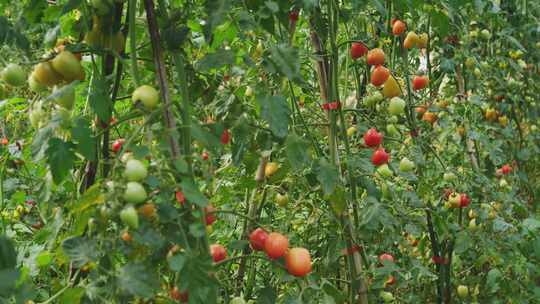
{"x": 210, "y": 216}
{"x": 218, "y": 252}
{"x": 386, "y": 257}
{"x": 410, "y": 40}
{"x": 129, "y": 217}
{"x": 4, "y": 141}
{"x": 14, "y": 75}
{"x": 146, "y": 95}
{"x": 180, "y": 198}
{"x": 117, "y": 145}
{"x": 391, "y": 88}
{"x": 390, "y": 281}
{"x": 270, "y": 169}
{"x": 351, "y": 130}
{"x": 506, "y": 169}
{"x": 135, "y": 193}
{"x": 298, "y": 262}
{"x": 454, "y": 200}
{"x": 237, "y": 300}
{"x": 293, "y": 15}
{"x": 257, "y": 238}
{"x": 177, "y": 295}
{"x": 126, "y": 237}
{"x": 385, "y": 171}
{"x": 463, "y": 291}
{"x": 430, "y": 117}
{"x": 358, "y": 49}
{"x": 379, "y": 157}
{"x": 135, "y": 170}
{"x": 276, "y": 245}
{"x": 422, "y": 41}
{"x": 205, "y": 155}
{"x": 45, "y": 74}
{"x": 34, "y": 85}
{"x": 282, "y": 199}
{"x": 396, "y": 106}
{"x": 387, "y": 297}
{"x": 148, "y": 210}
{"x": 420, "y": 82}
{"x": 464, "y": 200}
{"x": 406, "y": 165}
{"x": 67, "y": 65}
{"x": 64, "y": 96}
{"x": 449, "y": 177}
{"x": 375, "y": 57}
{"x": 372, "y": 138}
{"x": 225, "y": 137}
{"x": 379, "y": 75}
{"x": 398, "y": 28}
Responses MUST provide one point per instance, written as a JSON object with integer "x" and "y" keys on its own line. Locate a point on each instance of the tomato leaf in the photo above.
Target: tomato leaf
{"x": 215, "y": 60}
{"x": 99, "y": 99}
{"x": 192, "y": 193}
{"x": 80, "y": 250}
{"x": 327, "y": 175}
{"x": 275, "y": 110}
{"x": 82, "y": 136}
{"x": 60, "y": 158}
{"x": 138, "y": 280}
{"x": 72, "y": 295}
{"x": 297, "y": 152}
{"x": 267, "y": 295}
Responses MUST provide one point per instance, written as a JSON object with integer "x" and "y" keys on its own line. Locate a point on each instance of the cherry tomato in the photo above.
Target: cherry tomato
{"x": 276, "y": 245}
{"x": 298, "y": 262}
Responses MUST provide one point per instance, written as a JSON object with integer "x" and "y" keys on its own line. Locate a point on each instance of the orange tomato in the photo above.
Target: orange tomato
{"x": 276, "y": 245}
{"x": 420, "y": 82}
{"x": 398, "y": 28}
{"x": 375, "y": 57}
{"x": 379, "y": 75}
{"x": 298, "y": 262}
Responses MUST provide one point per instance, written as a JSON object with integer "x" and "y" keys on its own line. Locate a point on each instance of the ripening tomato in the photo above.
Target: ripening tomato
{"x": 117, "y": 145}
{"x": 298, "y": 262}
{"x": 218, "y": 252}
{"x": 506, "y": 169}
{"x": 148, "y": 210}
{"x": 276, "y": 245}
{"x": 411, "y": 40}
{"x": 372, "y": 138}
{"x": 257, "y": 238}
{"x": 225, "y": 136}
{"x": 430, "y": 117}
{"x": 210, "y": 216}
{"x": 4, "y": 141}
{"x": 177, "y": 295}
{"x": 180, "y": 198}
{"x": 420, "y": 82}
{"x": 126, "y": 237}
{"x": 464, "y": 200}
{"x": 379, "y": 157}
{"x": 358, "y": 49}
{"x": 205, "y": 155}
{"x": 398, "y": 28}
{"x": 293, "y": 15}
{"x": 386, "y": 257}
{"x": 375, "y": 57}
{"x": 379, "y": 75}
{"x": 390, "y": 281}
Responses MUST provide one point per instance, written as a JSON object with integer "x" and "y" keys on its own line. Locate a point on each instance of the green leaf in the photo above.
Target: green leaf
{"x": 177, "y": 262}
{"x": 71, "y": 5}
{"x": 8, "y": 256}
{"x": 60, "y": 158}
{"x": 275, "y": 110}
{"x": 43, "y": 259}
{"x": 72, "y": 296}
{"x": 82, "y": 136}
{"x": 205, "y": 138}
{"x": 215, "y": 60}
{"x": 284, "y": 59}
{"x": 297, "y": 152}
{"x": 138, "y": 280}
{"x": 217, "y": 10}
{"x": 492, "y": 282}
{"x": 440, "y": 22}
{"x": 267, "y": 295}
{"x": 80, "y": 250}
{"x": 327, "y": 175}
{"x": 192, "y": 193}
{"x": 99, "y": 99}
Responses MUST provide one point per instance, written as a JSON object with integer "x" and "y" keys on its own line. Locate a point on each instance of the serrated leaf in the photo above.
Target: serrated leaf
{"x": 177, "y": 262}
{"x": 284, "y": 59}
{"x": 192, "y": 193}
{"x": 82, "y": 136}
{"x": 60, "y": 158}
{"x": 267, "y": 295}
{"x": 80, "y": 250}
{"x": 215, "y": 60}
{"x": 275, "y": 111}
{"x": 71, "y": 5}
{"x": 99, "y": 99}
{"x": 138, "y": 280}
{"x": 72, "y": 295}
{"x": 327, "y": 175}
{"x": 296, "y": 149}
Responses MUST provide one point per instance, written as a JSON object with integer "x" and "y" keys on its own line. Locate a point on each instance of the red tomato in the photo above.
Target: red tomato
{"x": 177, "y": 295}
{"x": 390, "y": 281}
{"x": 379, "y": 75}
{"x": 506, "y": 169}
{"x": 205, "y": 155}
{"x": 218, "y": 252}
{"x": 386, "y": 257}
{"x": 298, "y": 262}
{"x": 372, "y": 138}
{"x": 225, "y": 136}
{"x": 375, "y": 57}
{"x": 4, "y": 141}
{"x": 464, "y": 200}
{"x": 358, "y": 49}
{"x": 420, "y": 82}
{"x": 276, "y": 245}
{"x": 257, "y": 238}
{"x": 398, "y": 27}
{"x": 293, "y": 15}
{"x": 379, "y": 157}
{"x": 210, "y": 215}
{"x": 180, "y": 198}
{"x": 117, "y": 145}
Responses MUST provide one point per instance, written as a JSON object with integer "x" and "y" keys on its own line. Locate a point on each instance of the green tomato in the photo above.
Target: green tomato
{"x": 135, "y": 170}
{"x": 387, "y": 296}
{"x": 35, "y": 85}
{"x": 14, "y": 75}
{"x": 147, "y": 95}
{"x": 282, "y": 199}
{"x": 64, "y": 97}
{"x": 135, "y": 193}
{"x": 449, "y": 177}
{"x": 67, "y": 65}
{"x": 462, "y": 291}
{"x": 237, "y": 300}
{"x": 406, "y": 165}
{"x": 396, "y": 106}
{"x": 392, "y": 130}
{"x": 385, "y": 171}
{"x": 130, "y": 217}
{"x": 393, "y": 119}
{"x": 485, "y": 34}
